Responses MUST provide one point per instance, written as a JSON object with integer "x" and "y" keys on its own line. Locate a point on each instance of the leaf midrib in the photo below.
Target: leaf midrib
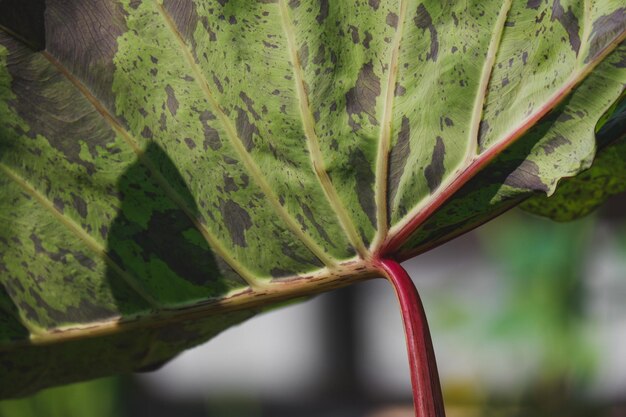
{"x": 400, "y": 232}
{"x": 485, "y": 79}
{"x": 308, "y": 123}
{"x": 384, "y": 140}
{"x": 344, "y": 274}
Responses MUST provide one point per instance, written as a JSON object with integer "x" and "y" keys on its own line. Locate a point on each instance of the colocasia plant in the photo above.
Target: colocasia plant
{"x": 168, "y": 168}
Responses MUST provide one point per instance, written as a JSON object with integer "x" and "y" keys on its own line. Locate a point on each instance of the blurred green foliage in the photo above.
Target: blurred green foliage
{"x": 99, "y": 398}
{"x": 544, "y": 265}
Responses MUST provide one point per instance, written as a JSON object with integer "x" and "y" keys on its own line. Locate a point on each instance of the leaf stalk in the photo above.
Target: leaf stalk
{"x": 427, "y": 397}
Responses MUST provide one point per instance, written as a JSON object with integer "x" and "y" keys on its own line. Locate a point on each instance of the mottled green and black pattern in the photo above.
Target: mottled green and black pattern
{"x": 561, "y": 145}
{"x": 580, "y": 195}
{"x": 166, "y": 156}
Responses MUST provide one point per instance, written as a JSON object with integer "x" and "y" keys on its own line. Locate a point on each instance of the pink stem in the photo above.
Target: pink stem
{"x": 427, "y": 398}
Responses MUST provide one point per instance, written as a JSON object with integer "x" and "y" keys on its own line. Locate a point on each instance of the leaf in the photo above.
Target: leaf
{"x": 580, "y": 195}
{"x": 25, "y": 20}
{"x": 168, "y": 168}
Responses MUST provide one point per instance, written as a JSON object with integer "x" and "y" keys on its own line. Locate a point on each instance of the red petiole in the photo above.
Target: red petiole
{"x": 427, "y": 398}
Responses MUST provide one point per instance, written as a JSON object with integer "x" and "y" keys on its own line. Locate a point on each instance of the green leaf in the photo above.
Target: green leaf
{"x": 168, "y": 168}
{"x": 580, "y": 195}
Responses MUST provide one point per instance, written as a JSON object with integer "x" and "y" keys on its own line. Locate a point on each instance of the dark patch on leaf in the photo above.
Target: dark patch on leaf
{"x": 29, "y": 311}
{"x": 323, "y": 13}
{"x": 533, "y": 4}
{"x": 87, "y": 47}
{"x": 86, "y": 311}
{"x": 398, "y": 156}
{"x": 364, "y": 183}
{"x": 147, "y": 133}
{"x": 526, "y": 176}
{"x": 455, "y": 19}
{"x": 374, "y": 4}
{"x": 569, "y": 21}
{"x": 52, "y": 115}
{"x": 564, "y": 117}
{"x": 483, "y": 128}
{"x": 237, "y": 221}
{"x": 604, "y": 30}
{"x": 320, "y": 56}
{"x": 621, "y": 63}
{"x": 281, "y": 273}
{"x": 249, "y": 105}
{"x": 290, "y": 252}
{"x": 399, "y": 90}
{"x": 435, "y": 170}
{"x": 392, "y": 20}
{"x": 368, "y": 38}
{"x": 551, "y": 145}
{"x": 79, "y": 205}
{"x": 354, "y": 32}
{"x": 58, "y": 204}
{"x": 229, "y": 184}
{"x": 424, "y": 21}
{"x": 362, "y": 97}
{"x": 184, "y": 15}
{"x": 320, "y": 230}
{"x": 172, "y": 102}
{"x": 190, "y": 143}
{"x": 217, "y": 83}
{"x": 61, "y": 256}
{"x": 303, "y": 55}
{"x": 211, "y": 136}
{"x": 245, "y": 129}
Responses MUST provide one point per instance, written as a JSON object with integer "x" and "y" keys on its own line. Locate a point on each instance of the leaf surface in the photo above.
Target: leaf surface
{"x": 169, "y": 167}
{"x": 580, "y": 195}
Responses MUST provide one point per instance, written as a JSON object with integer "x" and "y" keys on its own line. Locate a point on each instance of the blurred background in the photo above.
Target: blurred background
{"x": 528, "y": 318}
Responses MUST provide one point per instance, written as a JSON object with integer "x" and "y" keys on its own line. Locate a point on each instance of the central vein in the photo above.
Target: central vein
{"x": 308, "y": 123}
{"x": 485, "y": 77}
{"x": 384, "y": 141}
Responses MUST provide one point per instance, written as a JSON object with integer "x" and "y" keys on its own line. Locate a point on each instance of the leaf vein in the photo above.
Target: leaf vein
{"x": 115, "y": 124}
{"x": 79, "y": 232}
{"x": 237, "y": 143}
{"x": 384, "y": 141}
{"x": 485, "y": 79}
{"x": 308, "y": 123}
{"x": 421, "y": 212}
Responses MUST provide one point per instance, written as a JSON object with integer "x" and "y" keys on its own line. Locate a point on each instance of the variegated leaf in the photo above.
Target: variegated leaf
{"x": 169, "y": 167}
